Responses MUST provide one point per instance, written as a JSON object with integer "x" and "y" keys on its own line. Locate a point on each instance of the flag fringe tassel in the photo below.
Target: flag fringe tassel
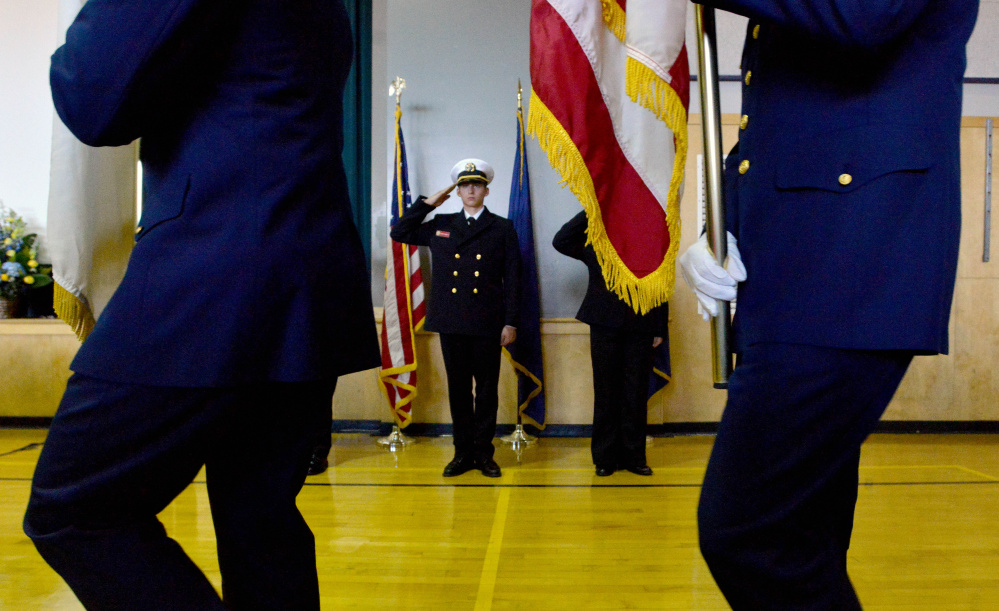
{"x": 72, "y": 311}
{"x": 642, "y": 294}
{"x": 614, "y": 18}
{"x": 520, "y": 369}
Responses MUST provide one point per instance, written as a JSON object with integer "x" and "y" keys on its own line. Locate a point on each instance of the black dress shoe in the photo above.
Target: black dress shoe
{"x": 318, "y": 464}
{"x": 640, "y": 470}
{"x": 489, "y": 468}
{"x": 604, "y": 471}
{"x": 460, "y": 464}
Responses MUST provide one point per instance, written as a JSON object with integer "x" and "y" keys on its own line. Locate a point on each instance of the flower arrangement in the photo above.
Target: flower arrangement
{"x": 19, "y": 270}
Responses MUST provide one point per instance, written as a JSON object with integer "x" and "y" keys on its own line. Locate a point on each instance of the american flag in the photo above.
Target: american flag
{"x": 609, "y": 107}
{"x": 405, "y": 307}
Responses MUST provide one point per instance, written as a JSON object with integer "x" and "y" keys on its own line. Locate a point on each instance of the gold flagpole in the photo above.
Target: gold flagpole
{"x": 707, "y": 78}
{"x": 518, "y": 438}
{"x": 396, "y": 440}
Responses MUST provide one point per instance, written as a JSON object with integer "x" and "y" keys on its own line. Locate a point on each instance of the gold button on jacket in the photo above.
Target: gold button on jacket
{"x": 845, "y": 179}
{"x": 744, "y": 166}
{"x": 744, "y": 122}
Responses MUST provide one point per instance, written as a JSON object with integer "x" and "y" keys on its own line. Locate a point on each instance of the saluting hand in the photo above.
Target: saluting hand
{"x": 508, "y": 336}
{"x": 440, "y": 197}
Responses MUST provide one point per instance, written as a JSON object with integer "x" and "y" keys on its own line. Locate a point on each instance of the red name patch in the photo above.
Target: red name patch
{"x": 443, "y": 234}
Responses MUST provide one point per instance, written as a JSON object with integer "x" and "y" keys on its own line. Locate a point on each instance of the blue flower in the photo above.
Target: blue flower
{"x": 12, "y": 269}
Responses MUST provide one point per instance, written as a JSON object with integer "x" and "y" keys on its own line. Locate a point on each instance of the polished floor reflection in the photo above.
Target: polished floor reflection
{"x": 549, "y": 534}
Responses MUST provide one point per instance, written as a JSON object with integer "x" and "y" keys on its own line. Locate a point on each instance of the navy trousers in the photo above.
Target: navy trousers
{"x": 622, "y": 364}
{"x": 468, "y": 358}
{"x": 777, "y": 505}
{"x": 116, "y": 455}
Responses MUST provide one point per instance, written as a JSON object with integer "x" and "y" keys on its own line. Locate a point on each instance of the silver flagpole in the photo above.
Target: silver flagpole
{"x": 707, "y": 78}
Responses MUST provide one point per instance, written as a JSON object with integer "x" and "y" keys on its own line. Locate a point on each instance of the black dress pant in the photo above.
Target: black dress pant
{"x": 468, "y": 358}
{"x": 622, "y": 364}
{"x": 777, "y": 505}
{"x": 117, "y": 454}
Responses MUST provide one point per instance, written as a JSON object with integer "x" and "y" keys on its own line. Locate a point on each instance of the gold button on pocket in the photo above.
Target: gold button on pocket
{"x": 744, "y": 122}
{"x": 138, "y": 230}
{"x": 756, "y": 32}
{"x": 845, "y": 179}
{"x": 744, "y": 166}
{"x": 749, "y": 76}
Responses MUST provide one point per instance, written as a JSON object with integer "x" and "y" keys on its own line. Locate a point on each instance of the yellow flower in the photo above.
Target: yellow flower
{"x": 8, "y": 241}
{"x": 29, "y": 279}
{"x": 4, "y": 278}
{"x": 32, "y": 264}
{"x": 11, "y": 253}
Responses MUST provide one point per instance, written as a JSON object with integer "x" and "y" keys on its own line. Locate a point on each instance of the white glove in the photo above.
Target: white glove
{"x": 707, "y": 279}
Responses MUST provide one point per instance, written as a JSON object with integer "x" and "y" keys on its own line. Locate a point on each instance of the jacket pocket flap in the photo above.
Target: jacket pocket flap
{"x": 848, "y": 159}
{"x": 168, "y": 204}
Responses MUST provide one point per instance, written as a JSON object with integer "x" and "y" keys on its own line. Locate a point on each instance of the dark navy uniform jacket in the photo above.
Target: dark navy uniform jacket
{"x": 844, "y": 189}
{"x": 601, "y": 306}
{"x": 247, "y": 266}
{"x": 475, "y": 288}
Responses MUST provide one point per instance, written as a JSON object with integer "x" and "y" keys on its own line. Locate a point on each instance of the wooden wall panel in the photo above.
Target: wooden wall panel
{"x": 35, "y": 355}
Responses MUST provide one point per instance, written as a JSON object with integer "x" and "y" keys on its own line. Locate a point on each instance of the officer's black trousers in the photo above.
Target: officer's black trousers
{"x": 468, "y": 358}
{"x": 777, "y": 505}
{"x": 622, "y": 364}
{"x": 117, "y": 454}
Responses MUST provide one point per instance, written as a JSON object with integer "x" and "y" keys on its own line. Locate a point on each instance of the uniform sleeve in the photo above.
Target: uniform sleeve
{"x": 852, "y": 23}
{"x": 511, "y": 277}
{"x": 123, "y": 63}
{"x": 410, "y": 228}
{"x": 570, "y": 240}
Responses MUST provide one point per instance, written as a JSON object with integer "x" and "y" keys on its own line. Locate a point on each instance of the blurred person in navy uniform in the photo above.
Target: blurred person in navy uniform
{"x": 474, "y": 303}
{"x": 246, "y": 296}
{"x": 621, "y": 351}
{"x": 843, "y": 197}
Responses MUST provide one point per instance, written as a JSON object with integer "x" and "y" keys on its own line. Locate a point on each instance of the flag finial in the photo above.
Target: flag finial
{"x": 396, "y": 87}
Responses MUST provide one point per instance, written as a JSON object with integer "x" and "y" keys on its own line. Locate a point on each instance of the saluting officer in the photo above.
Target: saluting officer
{"x": 474, "y": 300}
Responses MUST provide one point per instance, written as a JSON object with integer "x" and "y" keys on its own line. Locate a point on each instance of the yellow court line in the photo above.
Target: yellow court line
{"x": 991, "y": 478}
{"x": 524, "y": 471}
{"x": 490, "y": 566}
{"x": 984, "y": 476}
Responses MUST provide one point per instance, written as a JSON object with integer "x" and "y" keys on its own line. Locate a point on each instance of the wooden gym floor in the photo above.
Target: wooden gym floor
{"x": 549, "y": 534}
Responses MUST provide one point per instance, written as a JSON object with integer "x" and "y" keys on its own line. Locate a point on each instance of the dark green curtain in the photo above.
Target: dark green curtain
{"x": 357, "y": 122}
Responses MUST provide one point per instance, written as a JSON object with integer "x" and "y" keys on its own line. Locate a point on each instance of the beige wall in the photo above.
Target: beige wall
{"x": 35, "y": 355}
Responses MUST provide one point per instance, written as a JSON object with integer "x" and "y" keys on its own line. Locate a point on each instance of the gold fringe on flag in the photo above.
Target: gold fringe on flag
{"x": 642, "y": 294}
{"x": 534, "y": 393}
{"x": 70, "y": 309}
{"x": 614, "y": 17}
{"x": 648, "y": 89}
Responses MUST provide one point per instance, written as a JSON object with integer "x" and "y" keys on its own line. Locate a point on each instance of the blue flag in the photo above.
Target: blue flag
{"x": 662, "y": 371}
{"x": 526, "y": 351}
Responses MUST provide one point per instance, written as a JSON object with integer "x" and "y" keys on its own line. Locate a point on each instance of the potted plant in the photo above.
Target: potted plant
{"x": 20, "y": 271}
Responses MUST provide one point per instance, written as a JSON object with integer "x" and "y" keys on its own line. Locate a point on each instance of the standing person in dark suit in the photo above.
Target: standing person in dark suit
{"x": 246, "y": 296}
{"x": 621, "y": 348}
{"x": 843, "y": 195}
{"x": 474, "y": 302}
